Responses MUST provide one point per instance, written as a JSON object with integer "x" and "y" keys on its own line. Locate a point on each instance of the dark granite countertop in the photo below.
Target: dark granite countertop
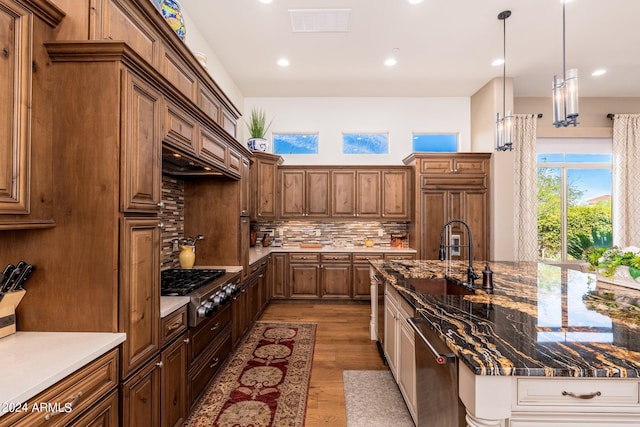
{"x": 540, "y": 320}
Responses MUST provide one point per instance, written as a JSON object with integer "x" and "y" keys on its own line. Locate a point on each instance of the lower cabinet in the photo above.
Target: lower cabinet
{"x": 103, "y": 414}
{"x": 278, "y": 276}
{"x": 361, "y": 277}
{"x": 141, "y": 396}
{"x": 173, "y": 383}
{"x": 335, "y": 276}
{"x": 249, "y": 303}
{"x": 399, "y": 346}
{"x": 304, "y": 275}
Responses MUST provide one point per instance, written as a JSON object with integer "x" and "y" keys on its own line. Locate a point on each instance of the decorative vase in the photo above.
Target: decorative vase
{"x": 258, "y": 144}
{"x": 621, "y": 277}
{"x": 172, "y": 12}
{"x": 253, "y": 238}
{"x": 266, "y": 241}
{"x": 187, "y": 256}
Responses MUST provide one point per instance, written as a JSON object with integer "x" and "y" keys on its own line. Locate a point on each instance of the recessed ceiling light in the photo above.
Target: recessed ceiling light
{"x": 599, "y": 72}
{"x": 283, "y": 62}
{"x": 497, "y": 62}
{"x": 390, "y": 62}
{"x": 414, "y": 1}
{"x": 265, "y": 1}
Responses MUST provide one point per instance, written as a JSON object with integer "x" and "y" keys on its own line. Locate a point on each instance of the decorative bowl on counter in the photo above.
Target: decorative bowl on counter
{"x": 368, "y": 243}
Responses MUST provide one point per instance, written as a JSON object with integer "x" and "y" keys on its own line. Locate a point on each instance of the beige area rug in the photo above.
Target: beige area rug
{"x": 372, "y": 399}
{"x": 265, "y": 381}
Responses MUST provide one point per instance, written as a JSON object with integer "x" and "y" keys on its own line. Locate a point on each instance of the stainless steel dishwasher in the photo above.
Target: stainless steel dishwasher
{"x": 438, "y": 404}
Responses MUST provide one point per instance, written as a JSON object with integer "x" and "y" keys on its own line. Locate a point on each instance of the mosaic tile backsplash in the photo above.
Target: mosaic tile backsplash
{"x": 288, "y": 234}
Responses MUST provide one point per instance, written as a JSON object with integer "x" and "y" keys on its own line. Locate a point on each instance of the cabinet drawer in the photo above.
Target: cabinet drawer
{"x": 173, "y": 325}
{"x": 78, "y": 391}
{"x": 336, "y": 257}
{"x": 213, "y": 149}
{"x": 469, "y": 166}
{"x": 201, "y": 373}
{"x": 453, "y": 180}
{"x": 304, "y": 257}
{"x": 436, "y": 166}
{"x": 399, "y": 256}
{"x": 366, "y": 257}
{"x": 180, "y": 128}
{"x": 555, "y": 392}
{"x": 201, "y": 337}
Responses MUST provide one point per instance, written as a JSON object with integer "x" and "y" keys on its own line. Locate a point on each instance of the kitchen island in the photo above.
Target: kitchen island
{"x": 548, "y": 346}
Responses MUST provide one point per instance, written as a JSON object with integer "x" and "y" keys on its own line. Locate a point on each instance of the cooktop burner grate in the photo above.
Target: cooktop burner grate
{"x": 177, "y": 281}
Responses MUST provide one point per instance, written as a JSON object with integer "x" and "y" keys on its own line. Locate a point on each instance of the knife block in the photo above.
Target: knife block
{"x": 8, "y": 307}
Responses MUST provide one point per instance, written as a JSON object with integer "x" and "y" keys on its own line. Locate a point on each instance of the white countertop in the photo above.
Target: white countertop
{"x": 31, "y": 362}
{"x": 170, "y": 304}
{"x": 260, "y": 252}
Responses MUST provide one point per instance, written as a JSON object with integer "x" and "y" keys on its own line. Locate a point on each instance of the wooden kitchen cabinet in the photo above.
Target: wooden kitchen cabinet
{"x": 141, "y": 147}
{"x": 304, "y": 193}
{"x": 173, "y": 381}
{"x": 304, "y": 275}
{"x": 139, "y": 292}
{"x": 103, "y": 414}
{"x": 279, "y": 274}
{"x": 26, "y": 114}
{"x": 356, "y": 193}
{"x": 245, "y": 187}
{"x": 361, "y": 276}
{"x": 140, "y": 396}
{"x": 264, "y": 184}
{"x": 335, "y": 275}
{"x": 396, "y": 194}
{"x": 180, "y": 129}
{"x": 451, "y": 186}
{"x": 343, "y": 193}
{"x": 368, "y": 194}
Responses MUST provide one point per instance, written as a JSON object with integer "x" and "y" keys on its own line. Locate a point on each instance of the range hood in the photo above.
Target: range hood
{"x": 178, "y": 164}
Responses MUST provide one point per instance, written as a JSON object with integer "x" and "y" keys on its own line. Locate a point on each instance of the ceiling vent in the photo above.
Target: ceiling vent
{"x": 319, "y": 20}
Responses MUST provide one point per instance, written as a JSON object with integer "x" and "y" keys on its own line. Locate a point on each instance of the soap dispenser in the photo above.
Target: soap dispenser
{"x": 487, "y": 278}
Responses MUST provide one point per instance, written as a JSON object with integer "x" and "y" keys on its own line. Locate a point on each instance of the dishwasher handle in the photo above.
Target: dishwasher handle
{"x": 441, "y": 359}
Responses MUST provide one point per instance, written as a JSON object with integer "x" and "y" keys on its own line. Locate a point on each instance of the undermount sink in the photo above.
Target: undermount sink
{"x": 437, "y": 286}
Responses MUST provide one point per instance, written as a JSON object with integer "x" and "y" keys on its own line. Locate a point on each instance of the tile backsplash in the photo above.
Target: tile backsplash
{"x": 282, "y": 233}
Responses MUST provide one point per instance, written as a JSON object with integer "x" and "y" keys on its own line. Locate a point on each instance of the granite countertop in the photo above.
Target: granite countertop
{"x": 31, "y": 362}
{"x": 540, "y": 320}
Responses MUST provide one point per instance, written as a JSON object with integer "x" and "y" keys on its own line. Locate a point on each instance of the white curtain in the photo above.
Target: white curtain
{"x": 524, "y": 187}
{"x": 626, "y": 180}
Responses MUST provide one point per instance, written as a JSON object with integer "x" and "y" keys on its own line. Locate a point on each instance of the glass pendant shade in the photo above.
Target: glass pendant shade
{"x": 504, "y": 132}
{"x": 565, "y": 92}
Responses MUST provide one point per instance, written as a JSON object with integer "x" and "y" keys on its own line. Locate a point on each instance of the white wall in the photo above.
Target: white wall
{"x": 332, "y": 116}
{"x": 196, "y": 42}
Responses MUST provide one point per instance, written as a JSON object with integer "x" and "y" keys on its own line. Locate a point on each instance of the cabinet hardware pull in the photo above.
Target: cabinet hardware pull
{"x": 161, "y": 205}
{"x": 175, "y": 326}
{"x": 216, "y": 326}
{"x": 186, "y": 340}
{"x": 159, "y": 364}
{"x": 582, "y": 396}
{"x": 161, "y": 225}
{"x": 215, "y": 362}
{"x": 5, "y": 52}
{"x": 66, "y": 407}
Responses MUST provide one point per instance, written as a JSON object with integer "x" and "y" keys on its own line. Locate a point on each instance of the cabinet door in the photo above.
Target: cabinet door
{"x": 278, "y": 267}
{"x": 390, "y": 335}
{"x": 264, "y": 180}
{"x": 139, "y": 291}
{"x": 141, "y": 156}
{"x": 368, "y": 194}
{"x": 102, "y": 414}
{"x": 15, "y": 102}
{"x": 361, "y": 281}
{"x": 239, "y": 307}
{"x": 292, "y": 193}
{"x": 336, "y": 280}
{"x": 407, "y": 363}
{"x": 395, "y": 194}
{"x": 304, "y": 280}
{"x": 245, "y": 187}
{"x": 317, "y": 194}
{"x": 343, "y": 193}
{"x": 174, "y": 384}
{"x": 475, "y": 214}
{"x": 433, "y": 205}
{"x": 141, "y": 397}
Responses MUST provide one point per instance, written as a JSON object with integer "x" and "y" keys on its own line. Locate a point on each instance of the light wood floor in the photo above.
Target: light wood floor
{"x": 342, "y": 343}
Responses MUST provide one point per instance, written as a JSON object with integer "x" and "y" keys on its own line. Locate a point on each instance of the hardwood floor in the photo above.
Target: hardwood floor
{"x": 342, "y": 343}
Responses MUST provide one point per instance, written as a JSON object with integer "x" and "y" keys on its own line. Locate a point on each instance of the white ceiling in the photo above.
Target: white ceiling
{"x": 445, "y": 46}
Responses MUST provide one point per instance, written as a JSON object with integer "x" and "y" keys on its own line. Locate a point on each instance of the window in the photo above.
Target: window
{"x": 574, "y": 197}
{"x": 365, "y": 143}
{"x": 295, "y": 143}
{"x": 435, "y": 142}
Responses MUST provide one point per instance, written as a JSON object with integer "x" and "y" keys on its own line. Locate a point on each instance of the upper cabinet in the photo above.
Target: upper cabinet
{"x": 264, "y": 181}
{"x": 396, "y": 194}
{"x": 304, "y": 193}
{"x": 25, "y": 114}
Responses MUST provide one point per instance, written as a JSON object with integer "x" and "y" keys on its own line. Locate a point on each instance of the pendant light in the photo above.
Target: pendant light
{"x": 504, "y": 124}
{"x": 565, "y": 90}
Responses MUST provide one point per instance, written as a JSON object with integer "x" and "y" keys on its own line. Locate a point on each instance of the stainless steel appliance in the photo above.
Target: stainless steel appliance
{"x": 438, "y": 404}
{"x": 380, "y": 317}
{"x": 207, "y": 289}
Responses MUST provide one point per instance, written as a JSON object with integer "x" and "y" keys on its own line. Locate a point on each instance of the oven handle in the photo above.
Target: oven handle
{"x": 441, "y": 359}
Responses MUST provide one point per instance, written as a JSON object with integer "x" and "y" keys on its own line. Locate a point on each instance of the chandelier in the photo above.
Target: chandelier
{"x": 504, "y": 124}
{"x": 565, "y": 90}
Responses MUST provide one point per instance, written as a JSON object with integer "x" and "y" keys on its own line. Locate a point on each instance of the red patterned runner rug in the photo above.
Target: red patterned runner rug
{"x": 265, "y": 382}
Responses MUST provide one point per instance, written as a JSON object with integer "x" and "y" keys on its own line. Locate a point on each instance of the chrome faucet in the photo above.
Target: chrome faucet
{"x": 471, "y": 274}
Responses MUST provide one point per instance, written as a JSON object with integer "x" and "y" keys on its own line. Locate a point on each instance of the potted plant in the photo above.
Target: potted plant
{"x": 619, "y": 266}
{"x": 258, "y": 127}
